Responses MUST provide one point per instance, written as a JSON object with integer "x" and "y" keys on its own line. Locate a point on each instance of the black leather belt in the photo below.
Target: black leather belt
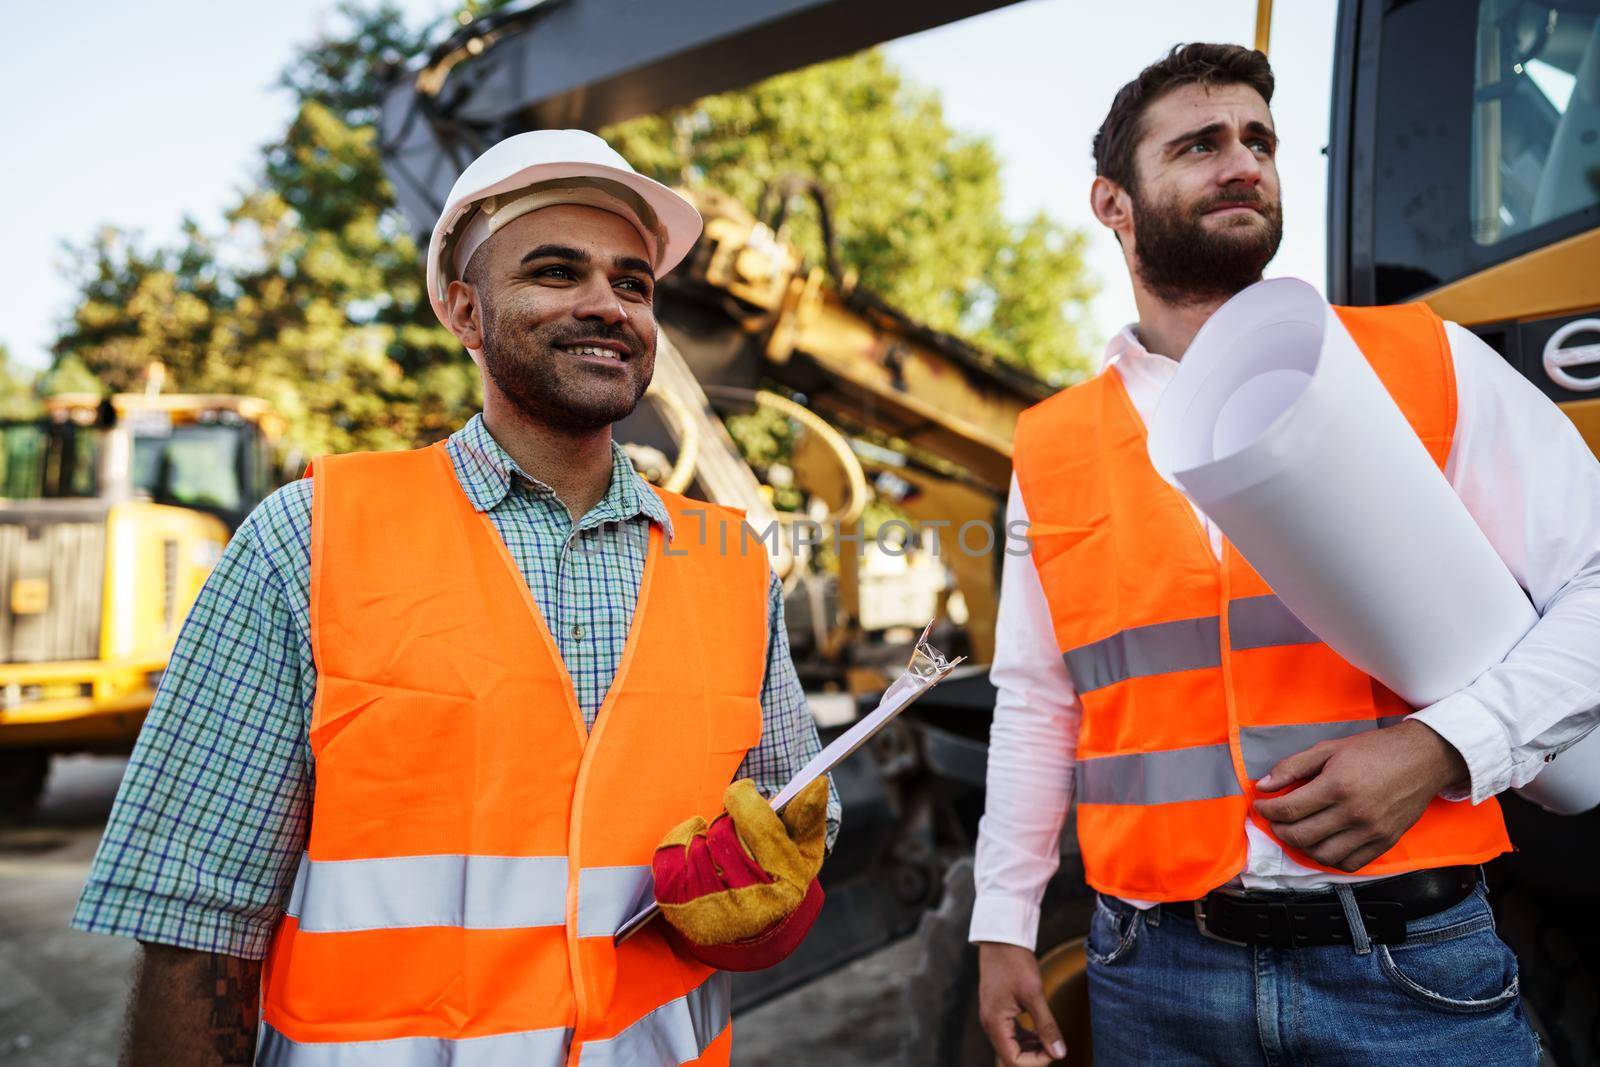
{"x": 1299, "y": 920}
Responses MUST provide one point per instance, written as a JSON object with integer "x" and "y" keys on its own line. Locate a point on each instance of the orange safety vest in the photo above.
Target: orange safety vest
{"x": 473, "y": 847}
{"x": 1195, "y": 679}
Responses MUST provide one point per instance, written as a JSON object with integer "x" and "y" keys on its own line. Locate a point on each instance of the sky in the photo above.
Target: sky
{"x": 137, "y": 115}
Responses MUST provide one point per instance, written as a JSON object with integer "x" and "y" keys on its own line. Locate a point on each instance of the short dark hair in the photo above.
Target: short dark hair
{"x": 1187, "y": 64}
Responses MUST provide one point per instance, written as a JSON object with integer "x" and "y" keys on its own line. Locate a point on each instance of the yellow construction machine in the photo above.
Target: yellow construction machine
{"x": 113, "y": 510}
{"x": 885, "y": 409}
{"x": 892, "y": 424}
{"x": 1464, "y": 169}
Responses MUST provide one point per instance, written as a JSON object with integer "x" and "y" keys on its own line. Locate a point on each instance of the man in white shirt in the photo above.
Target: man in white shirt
{"x": 1341, "y": 920}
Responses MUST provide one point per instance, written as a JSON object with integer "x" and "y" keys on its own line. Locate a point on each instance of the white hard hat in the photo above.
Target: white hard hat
{"x": 668, "y": 222}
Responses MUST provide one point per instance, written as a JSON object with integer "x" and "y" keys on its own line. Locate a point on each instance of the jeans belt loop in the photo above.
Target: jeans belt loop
{"x": 1352, "y": 915}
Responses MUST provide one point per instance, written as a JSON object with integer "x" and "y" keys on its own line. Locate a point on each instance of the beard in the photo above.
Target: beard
{"x": 557, "y": 389}
{"x": 1183, "y": 262}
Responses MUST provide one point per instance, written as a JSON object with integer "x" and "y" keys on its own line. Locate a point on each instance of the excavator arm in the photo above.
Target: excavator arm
{"x": 561, "y": 64}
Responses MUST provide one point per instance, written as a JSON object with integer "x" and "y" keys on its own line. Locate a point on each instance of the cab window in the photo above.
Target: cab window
{"x": 195, "y": 465}
{"x": 1535, "y": 116}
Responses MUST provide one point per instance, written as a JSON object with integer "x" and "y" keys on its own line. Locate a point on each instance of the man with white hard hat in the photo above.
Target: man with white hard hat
{"x": 442, "y": 720}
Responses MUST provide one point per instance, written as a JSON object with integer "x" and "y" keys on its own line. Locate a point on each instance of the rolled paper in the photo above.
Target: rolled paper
{"x": 1279, "y": 430}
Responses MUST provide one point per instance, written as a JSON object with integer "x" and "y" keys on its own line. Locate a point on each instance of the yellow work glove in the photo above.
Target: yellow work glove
{"x": 743, "y": 891}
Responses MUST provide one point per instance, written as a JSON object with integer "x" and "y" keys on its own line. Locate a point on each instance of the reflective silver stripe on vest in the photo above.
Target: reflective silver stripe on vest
{"x": 473, "y": 892}
{"x": 1184, "y": 645}
{"x": 608, "y": 896}
{"x": 677, "y": 1032}
{"x": 1165, "y": 777}
{"x": 1265, "y": 622}
{"x": 1264, "y": 746}
{"x": 530, "y": 1048}
{"x": 1161, "y": 648}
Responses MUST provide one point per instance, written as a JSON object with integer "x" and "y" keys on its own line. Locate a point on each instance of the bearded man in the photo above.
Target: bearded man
{"x": 442, "y": 720}
{"x": 1279, "y": 881}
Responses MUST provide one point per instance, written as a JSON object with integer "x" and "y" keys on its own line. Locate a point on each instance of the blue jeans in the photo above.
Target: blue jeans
{"x": 1160, "y": 992}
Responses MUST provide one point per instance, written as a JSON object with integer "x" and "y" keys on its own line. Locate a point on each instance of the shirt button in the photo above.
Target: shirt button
{"x": 577, "y": 632}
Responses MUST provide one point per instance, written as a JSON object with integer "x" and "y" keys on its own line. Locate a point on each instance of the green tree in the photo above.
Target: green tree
{"x": 18, "y": 399}
{"x": 312, "y": 294}
{"x": 68, "y": 375}
{"x": 140, "y": 305}
{"x": 915, "y": 206}
{"x": 311, "y": 297}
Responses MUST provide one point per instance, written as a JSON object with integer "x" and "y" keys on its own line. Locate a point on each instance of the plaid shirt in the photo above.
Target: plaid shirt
{"x": 209, "y": 825}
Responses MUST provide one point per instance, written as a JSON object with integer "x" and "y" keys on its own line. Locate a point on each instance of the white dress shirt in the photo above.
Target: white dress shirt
{"x": 1531, "y": 484}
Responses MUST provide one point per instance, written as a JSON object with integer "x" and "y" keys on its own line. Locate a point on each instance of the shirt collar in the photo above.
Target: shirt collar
{"x": 1128, "y": 354}
{"x": 486, "y": 472}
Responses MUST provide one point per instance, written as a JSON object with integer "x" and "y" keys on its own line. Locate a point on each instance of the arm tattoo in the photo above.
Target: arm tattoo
{"x": 234, "y": 990}
{"x": 192, "y": 1009}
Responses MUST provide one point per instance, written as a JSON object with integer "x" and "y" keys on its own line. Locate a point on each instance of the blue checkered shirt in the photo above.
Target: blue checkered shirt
{"x": 209, "y": 825}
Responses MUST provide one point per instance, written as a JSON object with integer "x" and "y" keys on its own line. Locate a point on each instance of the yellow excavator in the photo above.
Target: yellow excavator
{"x": 1464, "y": 170}
{"x": 113, "y": 510}
{"x": 888, "y": 417}
{"x": 749, "y": 325}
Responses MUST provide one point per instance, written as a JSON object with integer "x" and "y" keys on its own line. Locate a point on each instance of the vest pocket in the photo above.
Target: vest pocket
{"x": 382, "y": 713}
{"x": 1052, "y": 540}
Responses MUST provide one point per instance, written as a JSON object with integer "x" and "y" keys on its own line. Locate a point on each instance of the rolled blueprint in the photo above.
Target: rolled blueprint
{"x": 1278, "y": 429}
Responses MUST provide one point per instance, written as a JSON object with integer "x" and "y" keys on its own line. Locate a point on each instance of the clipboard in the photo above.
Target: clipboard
{"x": 927, "y": 668}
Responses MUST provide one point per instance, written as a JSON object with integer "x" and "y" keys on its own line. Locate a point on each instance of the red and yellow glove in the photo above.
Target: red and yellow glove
{"x": 741, "y": 893}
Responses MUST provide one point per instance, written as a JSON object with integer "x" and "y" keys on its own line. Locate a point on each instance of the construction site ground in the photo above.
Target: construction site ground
{"x": 62, "y": 993}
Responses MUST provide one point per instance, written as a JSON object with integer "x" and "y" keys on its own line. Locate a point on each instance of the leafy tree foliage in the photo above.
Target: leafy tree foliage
{"x": 915, "y": 206}
{"x": 18, "y": 399}
{"x": 312, "y": 295}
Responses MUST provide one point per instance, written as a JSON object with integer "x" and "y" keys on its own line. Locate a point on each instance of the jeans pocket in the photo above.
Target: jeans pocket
{"x": 1462, "y": 967}
{"x": 1112, "y": 931}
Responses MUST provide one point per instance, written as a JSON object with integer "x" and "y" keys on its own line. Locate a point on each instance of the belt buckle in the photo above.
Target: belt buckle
{"x": 1205, "y": 931}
